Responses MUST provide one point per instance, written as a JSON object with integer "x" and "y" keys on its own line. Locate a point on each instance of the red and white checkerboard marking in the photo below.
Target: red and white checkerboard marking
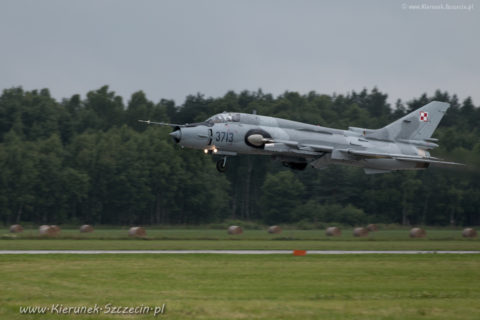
{"x": 423, "y": 116}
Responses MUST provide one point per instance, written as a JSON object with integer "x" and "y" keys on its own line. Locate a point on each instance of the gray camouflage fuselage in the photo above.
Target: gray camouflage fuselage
{"x": 402, "y": 145}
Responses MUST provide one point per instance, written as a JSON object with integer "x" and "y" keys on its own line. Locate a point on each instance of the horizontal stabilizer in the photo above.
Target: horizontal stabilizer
{"x": 432, "y": 161}
{"x": 401, "y": 157}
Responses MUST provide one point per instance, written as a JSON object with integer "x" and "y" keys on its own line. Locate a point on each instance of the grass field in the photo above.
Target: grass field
{"x": 190, "y": 239}
{"x": 238, "y": 245}
{"x": 243, "y": 287}
{"x": 246, "y": 287}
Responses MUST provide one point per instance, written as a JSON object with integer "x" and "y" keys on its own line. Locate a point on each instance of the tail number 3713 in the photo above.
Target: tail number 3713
{"x": 223, "y": 136}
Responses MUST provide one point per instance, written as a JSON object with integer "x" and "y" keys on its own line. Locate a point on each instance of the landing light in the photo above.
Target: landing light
{"x": 215, "y": 150}
{"x": 205, "y": 150}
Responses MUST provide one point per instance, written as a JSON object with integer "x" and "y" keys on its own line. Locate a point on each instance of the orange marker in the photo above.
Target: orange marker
{"x": 299, "y": 252}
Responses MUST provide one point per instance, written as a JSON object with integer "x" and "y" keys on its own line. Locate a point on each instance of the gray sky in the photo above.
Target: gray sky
{"x": 170, "y": 49}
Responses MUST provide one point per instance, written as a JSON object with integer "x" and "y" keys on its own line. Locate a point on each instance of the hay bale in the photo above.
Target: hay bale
{"x": 360, "y": 232}
{"x": 16, "y": 228}
{"x": 274, "y": 229}
{"x": 469, "y": 233}
{"x": 235, "y": 230}
{"x": 333, "y": 232}
{"x": 372, "y": 227}
{"x": 46, "y": 230}
{"x": 137, "y": 232}
{"x": 417, "y": 233}
{"x": 56, "y": 229}
{"x": 86, "y": 228}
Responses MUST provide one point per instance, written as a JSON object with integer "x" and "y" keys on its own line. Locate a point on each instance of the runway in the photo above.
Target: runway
{"x": 236, "y": 252}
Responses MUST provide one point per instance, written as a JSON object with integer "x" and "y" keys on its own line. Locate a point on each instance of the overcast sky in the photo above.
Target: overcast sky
{"x": 170, "y": 49}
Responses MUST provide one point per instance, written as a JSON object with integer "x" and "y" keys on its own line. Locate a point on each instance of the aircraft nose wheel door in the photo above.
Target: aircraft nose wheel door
{"x": 210, "y": 135}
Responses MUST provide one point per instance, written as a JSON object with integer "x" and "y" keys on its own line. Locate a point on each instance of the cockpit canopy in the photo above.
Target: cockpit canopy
{"x": 224, "y": 117}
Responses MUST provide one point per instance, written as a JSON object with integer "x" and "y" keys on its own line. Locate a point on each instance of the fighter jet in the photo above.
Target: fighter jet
{"x": 401, "y": 145}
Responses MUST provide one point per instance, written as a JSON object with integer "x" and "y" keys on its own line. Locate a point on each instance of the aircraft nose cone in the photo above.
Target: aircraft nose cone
{"x": 177, "y": 135}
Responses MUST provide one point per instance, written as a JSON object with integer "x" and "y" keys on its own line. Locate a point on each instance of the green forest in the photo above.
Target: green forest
{"x": 88, "y": 160}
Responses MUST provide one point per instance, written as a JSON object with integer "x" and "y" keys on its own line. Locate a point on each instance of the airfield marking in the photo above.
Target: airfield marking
{"x": 319, "y": 252}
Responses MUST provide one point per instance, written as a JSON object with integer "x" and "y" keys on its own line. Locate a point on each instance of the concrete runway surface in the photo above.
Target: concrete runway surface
{"x": 321, "y": 252}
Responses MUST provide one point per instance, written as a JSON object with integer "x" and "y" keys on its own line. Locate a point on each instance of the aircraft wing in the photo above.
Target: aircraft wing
{"x": 316, "y": 130}
{"x": 304, "y": 146}
{"x": 315, "y": 147}
{"x": 295, "y": 147}
{"x": 401, "y": 157}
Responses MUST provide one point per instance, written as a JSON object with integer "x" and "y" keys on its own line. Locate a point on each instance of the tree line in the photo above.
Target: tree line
{"x": 88, "y": 160}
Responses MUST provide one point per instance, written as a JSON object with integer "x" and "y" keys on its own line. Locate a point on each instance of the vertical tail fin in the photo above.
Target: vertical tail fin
{"x": 417, "y": 125}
